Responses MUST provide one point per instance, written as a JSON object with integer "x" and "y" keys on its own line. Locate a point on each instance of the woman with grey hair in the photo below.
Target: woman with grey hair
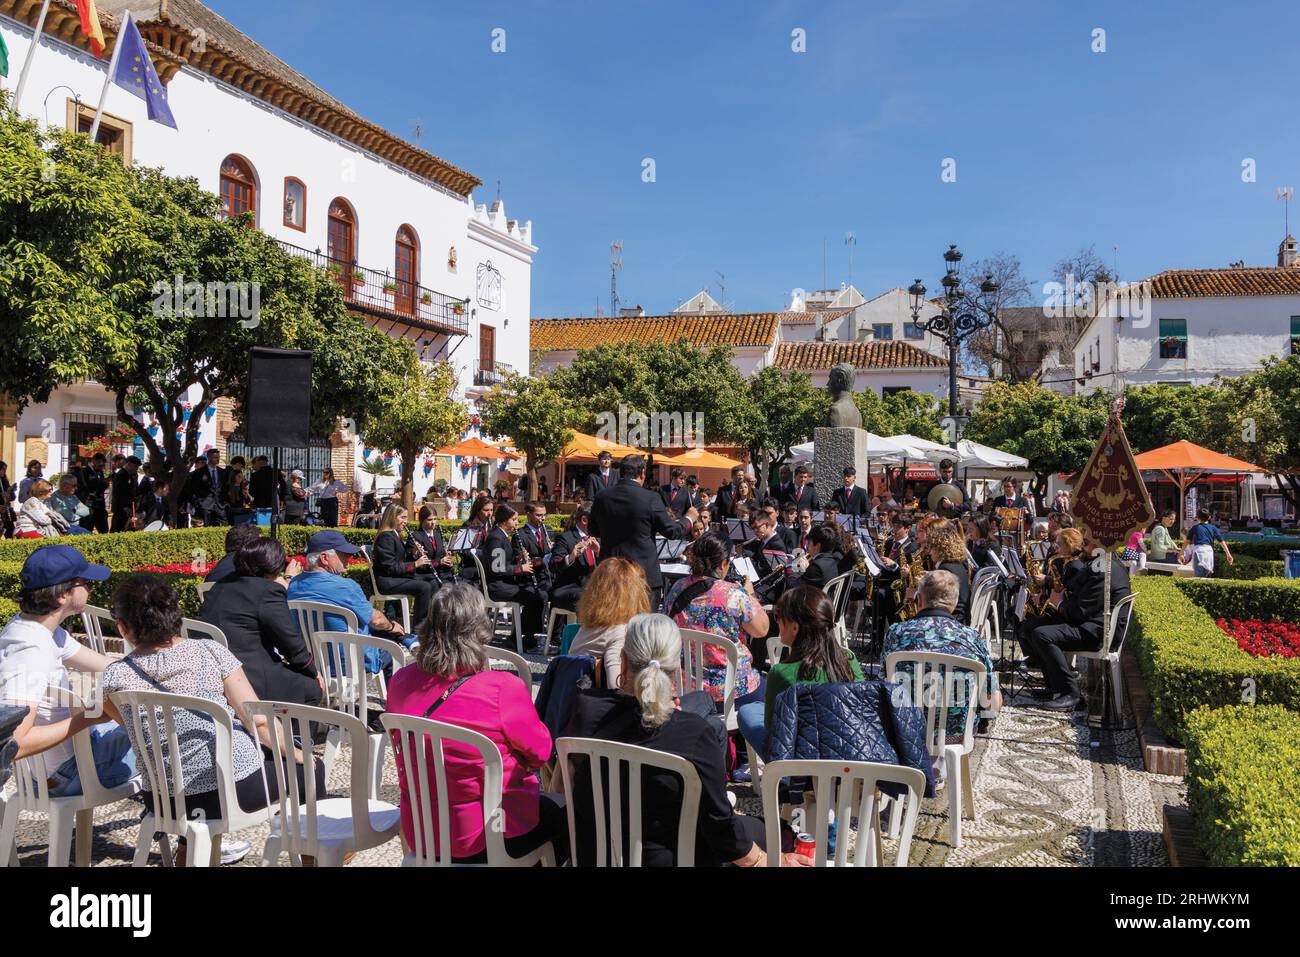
{"x": 452, "y": 682}
{"x": 644, "y": 710}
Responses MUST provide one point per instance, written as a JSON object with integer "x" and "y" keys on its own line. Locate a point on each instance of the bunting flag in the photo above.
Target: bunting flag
{"x": 1110, "y": 500}
{"x": 135, "y": 72}
{"x": 90, "y": 26}
{"x": 4, "y": 57}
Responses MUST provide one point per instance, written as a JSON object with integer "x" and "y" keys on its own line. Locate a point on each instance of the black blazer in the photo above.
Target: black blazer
{"x": 595, "y": 484}
{"x": 960, "y": 572}
{"x": 626, "y": 519}
{"x": 388, "y": 556}
{"x": 789, "y": 535}
{"x": 200, "y": 491}
{"x": 253, "y": 613}
{"x": 821, "y": 569}
{"x": 125, "y": 489}
{"x": 721, "y": 507}
{"x": 263, "y": 484}
{"x": 435, "y": 546}
{"x": 540, "y": 557}
{"x": 851, "y": 501}
{"x": 563, "y": 575}
{"x": 498, "y": 557}
{"x": 150, "y": 509}
{"x": 223, "y": 570}
{"x": 805, "y": 499}
{"x": 678, "y": 499}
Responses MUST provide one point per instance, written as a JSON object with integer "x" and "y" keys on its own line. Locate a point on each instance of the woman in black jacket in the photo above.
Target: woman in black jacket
{"x": 947, "y": 548}
{"x": 395, "y": 572}
{"x": 427, "y": 538}
{"x": 252, "y": 611}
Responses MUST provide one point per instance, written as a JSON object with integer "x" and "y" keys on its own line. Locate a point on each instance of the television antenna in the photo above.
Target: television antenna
{"x": 850, "y": 240}
{"x": 722, "y": 289}
{"x": 1284, "y": 196}
{"x": 615, "y": 264}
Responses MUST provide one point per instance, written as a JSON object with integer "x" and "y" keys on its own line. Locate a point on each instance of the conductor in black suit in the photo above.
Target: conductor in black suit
{"x": 850, "y": 499}
{"x": 205, "y": 489}
{"x": 603, "y": 478}
{"x": 512, "y": 577}
{"x": 628, "y": 516}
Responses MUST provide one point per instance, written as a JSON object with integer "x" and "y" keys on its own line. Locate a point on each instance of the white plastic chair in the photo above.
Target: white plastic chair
{"x": 341, "y": 658}
{"x": 1109, "y": 652}
{"x": 519, "y": 663}
{"x": 321, "y": 827}
{"x": 31, "y": 795}
{"x": 555, "y": 613}
{"x": 151, "y": 716}
{"x": 934, "y": 687}
{"x": 983, "y": 607}
{"x": 837, "y": 591}
{"x": 606, "y": 760}
{"x": 691, "y": 676}
{"x": 851, "y": 788}
{"x": 511, "y": 608}
{"x": 193, "y": 628}
{"x": 380, "y": 600}
{"x": 93, "y": 619}
{"x": 413, "y": 738}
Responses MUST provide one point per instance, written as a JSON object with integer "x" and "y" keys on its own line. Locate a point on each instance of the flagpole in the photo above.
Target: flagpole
{"x": 108, "y": 80}
{"x": 31, "y": 55}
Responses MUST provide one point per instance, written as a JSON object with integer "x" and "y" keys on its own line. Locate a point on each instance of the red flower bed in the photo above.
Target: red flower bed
{"x": 202, "y": 568}
{"x": 1264, "y": 639}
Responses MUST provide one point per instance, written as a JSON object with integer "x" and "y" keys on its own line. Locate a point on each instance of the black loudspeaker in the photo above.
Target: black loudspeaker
{"x": 278, "y": 407}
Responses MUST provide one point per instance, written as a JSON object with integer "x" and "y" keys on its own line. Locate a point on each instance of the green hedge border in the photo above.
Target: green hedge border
{"x": 1189, "y": 662}
{"x": 1243, "y": 784}
{"x": 1246, "y": 568}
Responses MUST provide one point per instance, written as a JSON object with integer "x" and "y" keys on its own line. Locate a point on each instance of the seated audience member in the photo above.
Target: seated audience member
{"x": 236, "y": 536}
{"x": 252, "y": 611}
{"x": 615, "y": 593}
{"x": 37, "y": 517}
{"x": 64, "y": 500}
{"x": 147, "y": 613}
{"x": 806, "y": 619}
{"x": 935, "y": 629}
{"x": 35, "y": 655}
{"x": 643, "y": 711}
{"x": 395, "y": 574}
{"x": 451, "y": 681}
{"x": 325, "y": 580}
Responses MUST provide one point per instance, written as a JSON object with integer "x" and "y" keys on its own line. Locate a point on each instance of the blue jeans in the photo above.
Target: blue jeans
{"x": 114, "y": 761}
{"x": 750, "y": 720}
{"x": 77, "y": 530}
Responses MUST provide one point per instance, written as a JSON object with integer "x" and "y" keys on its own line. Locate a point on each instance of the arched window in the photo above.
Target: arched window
{"x": 407, "y": 269}
{"x": 238, "y": 187}
{"x": 341, "y": 237}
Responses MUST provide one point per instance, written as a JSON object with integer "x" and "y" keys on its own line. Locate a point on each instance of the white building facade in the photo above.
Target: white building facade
{"x": 417, "y": 256}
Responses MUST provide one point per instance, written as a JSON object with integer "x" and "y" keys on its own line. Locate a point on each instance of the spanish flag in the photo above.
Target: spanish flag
{"x": 90, "y": 26}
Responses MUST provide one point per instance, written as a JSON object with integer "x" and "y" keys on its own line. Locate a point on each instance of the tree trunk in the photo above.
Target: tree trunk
{"x": 530, "y": 469}
{"x": 408, "y": 454}
{"x": 1039, "y": 489}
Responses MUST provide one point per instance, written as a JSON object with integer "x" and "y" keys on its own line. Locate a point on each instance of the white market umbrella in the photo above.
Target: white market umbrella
{"x": 1249, "y": 499}
{"x": 878, "y": 447}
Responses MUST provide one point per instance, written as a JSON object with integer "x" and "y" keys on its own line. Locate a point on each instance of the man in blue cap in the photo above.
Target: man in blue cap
{"x": 325, "y": 580}
{"x": 35, "y": 653}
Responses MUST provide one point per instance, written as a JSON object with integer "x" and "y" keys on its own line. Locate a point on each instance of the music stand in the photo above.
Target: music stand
{"x": 739, "y": 531}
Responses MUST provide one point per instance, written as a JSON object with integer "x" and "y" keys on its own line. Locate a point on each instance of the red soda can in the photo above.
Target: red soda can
{"x": 806, "y": 845}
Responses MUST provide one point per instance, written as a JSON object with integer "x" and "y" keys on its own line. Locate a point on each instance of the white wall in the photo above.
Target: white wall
{"x": 894, "y": 309}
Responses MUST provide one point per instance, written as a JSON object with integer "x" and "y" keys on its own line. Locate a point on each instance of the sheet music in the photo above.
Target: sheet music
{"x": 462, "y": 541}
{"x": 674, "y": 569}
{"x": 745, "y": 566}
{"x": 874, "y": 562}
{"x": 997, "y": 562}
{"x": 1013, "y": 564}
{"x": 667, "y": 548}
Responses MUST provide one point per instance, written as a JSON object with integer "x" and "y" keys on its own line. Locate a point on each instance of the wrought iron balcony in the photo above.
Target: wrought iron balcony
{"x": 378, "y": 294}
{"x": 493, "y": 376}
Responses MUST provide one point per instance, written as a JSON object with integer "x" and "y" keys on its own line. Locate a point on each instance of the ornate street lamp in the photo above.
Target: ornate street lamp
{"x": 960, "y": 316}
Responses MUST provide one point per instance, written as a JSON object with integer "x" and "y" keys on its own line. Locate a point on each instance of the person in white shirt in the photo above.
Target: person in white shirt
{"x": 35, "y": 653}
{"x": 327, "y": 492}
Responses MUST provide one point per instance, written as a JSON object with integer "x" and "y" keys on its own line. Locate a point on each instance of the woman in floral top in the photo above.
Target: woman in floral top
{"x": 706, "y": 601}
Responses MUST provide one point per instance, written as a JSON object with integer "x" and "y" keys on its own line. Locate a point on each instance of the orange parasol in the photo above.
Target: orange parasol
{"x": 476, "y": 447}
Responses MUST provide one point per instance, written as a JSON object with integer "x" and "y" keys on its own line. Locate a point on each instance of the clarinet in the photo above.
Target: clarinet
{"x": 517, "y": 545}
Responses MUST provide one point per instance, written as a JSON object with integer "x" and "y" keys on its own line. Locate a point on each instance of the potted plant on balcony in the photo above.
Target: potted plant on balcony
{"x": 458, "y": 307}
{"x": 390, "y": 288}
{"x": 426, "y": 299}
{"x": 358, "y": 278}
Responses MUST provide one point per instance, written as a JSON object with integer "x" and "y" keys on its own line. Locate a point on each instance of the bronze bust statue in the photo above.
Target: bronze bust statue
{"x": 844, "y": 414}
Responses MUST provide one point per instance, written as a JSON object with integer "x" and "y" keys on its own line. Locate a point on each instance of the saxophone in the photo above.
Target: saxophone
{"x": 1040, "y": 602}
{"x": 910, "y": 572}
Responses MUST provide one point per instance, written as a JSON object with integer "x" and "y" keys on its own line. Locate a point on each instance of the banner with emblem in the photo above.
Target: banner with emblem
{"x": 1110, "y": 500}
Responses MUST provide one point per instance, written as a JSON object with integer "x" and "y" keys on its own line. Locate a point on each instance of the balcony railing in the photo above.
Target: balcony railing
{"x": 379, "y": 294}
{"x": 493, "y": 376}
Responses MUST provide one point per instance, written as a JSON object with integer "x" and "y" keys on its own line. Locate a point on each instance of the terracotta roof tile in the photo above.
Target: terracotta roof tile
{"x": 812, "y": 315}
{"x": 888, "y": 354}
{"x": 735, "y": 329}
{"x": 1249, "y": 281}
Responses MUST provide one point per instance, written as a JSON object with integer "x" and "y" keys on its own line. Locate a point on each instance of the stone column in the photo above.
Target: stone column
{"x": 835, "y": 449}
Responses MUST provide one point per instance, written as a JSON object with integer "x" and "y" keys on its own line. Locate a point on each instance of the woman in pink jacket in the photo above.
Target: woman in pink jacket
{"x": 451, "y": 681}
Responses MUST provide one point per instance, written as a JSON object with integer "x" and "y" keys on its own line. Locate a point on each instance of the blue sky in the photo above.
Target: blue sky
{"x": 762, "y": 153}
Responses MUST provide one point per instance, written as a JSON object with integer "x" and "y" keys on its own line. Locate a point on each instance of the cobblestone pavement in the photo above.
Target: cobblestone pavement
{"x": 1044, "y": 797}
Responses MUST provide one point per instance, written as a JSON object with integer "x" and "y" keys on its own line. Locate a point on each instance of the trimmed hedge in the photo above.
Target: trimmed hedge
{"x": 1246, "y": 568}
{"x": 1243, "y": 784}
{"x": 1189, "y": 662}
{"x": 1265, "y": 549}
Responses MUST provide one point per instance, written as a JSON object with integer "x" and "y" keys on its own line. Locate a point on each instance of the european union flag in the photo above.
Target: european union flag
{"x": 135, "y": 72}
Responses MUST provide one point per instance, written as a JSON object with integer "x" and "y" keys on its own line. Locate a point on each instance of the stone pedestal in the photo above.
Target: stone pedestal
{"x": 833, "y": 451}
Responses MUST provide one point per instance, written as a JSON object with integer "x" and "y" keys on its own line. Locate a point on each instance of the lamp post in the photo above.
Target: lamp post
{"x": 960, "y": 317}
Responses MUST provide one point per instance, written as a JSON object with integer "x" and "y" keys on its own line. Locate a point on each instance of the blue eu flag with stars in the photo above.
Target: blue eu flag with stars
{"x": 135, "y": 72}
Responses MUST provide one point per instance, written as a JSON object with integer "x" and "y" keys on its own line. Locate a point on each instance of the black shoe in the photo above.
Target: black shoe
{"x": 1062, "y": 702}
{"x": 1043, "y": 694}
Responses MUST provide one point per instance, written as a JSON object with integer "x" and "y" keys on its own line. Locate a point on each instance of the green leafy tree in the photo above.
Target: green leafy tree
{"x": 781, "y": 410}
{"x": 1253, "y": 418}
{"x": 914, "y": 413}
{"x": 91, "y": 256}
{"x": 1055, "y": 433}
{"x": 1155, "y": 415}
{"x": 416, "y": 411}
{"x": 538, "y": 417}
